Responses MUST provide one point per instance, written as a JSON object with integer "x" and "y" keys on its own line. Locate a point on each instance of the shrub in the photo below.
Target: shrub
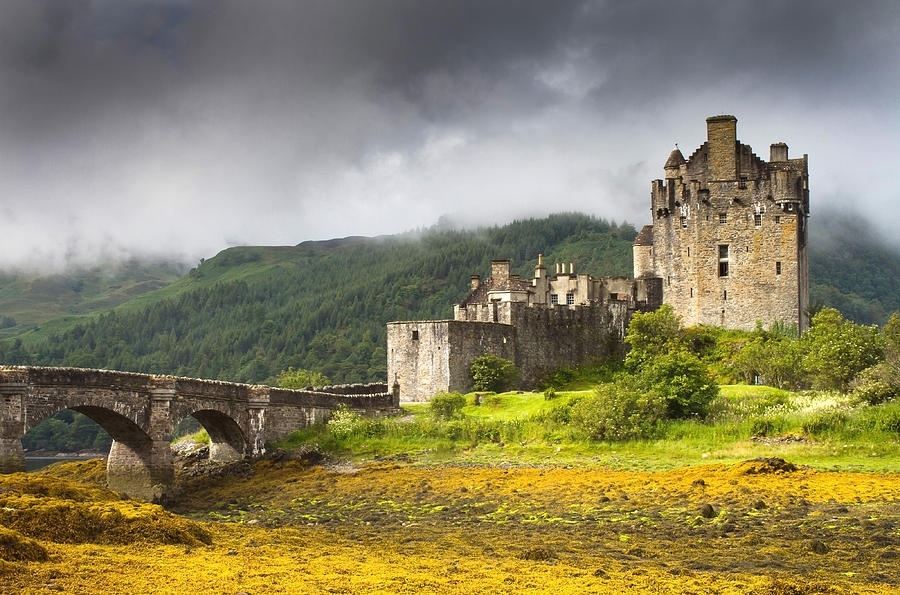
{"x": 447, "y": 405}
{"x": 620, "y": 410}
{"x": 681, "y": 380}
{"x": 343, "y": 423}
{"x": 827, "y": 420}
{"x": 492, "y": 373}
{"x": 300, "y": 379}
{"x": 550, "y": 394}
{"x": 876, "y": 385}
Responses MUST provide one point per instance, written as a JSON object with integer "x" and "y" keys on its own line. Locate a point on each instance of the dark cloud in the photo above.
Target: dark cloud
{"x": 174, "y": 128}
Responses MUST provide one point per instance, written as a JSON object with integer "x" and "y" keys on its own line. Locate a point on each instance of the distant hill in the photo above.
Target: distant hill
{"x": 30, "y": 299}
{"x": 250, "y": 312}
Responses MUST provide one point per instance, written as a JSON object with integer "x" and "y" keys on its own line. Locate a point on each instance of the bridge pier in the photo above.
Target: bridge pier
{"x": 143, "y": 466}
{"x": 12, "y": 457}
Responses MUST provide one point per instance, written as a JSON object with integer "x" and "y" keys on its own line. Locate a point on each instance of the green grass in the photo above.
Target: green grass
{"x": 527, "y": 429}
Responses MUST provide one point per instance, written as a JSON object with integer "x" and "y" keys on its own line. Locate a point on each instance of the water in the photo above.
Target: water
{"x": 34, "y": 463}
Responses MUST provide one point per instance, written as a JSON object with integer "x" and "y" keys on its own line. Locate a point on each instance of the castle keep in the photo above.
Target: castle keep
{"x": 549, "y": 321}
{"x": 729, "y": 233}
{"x": 727, "y": 247}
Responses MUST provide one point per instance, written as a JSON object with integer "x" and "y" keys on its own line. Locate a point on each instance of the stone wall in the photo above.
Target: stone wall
{"x": 725, "y": 207}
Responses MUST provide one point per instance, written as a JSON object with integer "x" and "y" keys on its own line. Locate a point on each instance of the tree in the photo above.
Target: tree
{"x": 651, "y": 334}
{"x": 774, "y": 356}
{"x": 492, "y": 373}
{"x": 837, "y": 350}
{"x": 300, "y": 379}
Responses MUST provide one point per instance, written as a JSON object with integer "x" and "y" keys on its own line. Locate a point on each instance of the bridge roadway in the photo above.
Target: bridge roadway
{"x": 140, "y": 413}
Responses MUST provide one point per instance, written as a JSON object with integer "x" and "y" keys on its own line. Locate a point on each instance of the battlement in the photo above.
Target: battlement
{"x": 729, "y": 233}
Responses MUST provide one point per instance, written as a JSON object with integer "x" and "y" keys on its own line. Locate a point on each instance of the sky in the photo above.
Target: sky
{"x": 177, "y": 129}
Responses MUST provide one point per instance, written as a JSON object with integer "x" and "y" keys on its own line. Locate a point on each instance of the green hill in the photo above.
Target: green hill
{"x": 250, "y": 312}
{"x": 27, "y": 300}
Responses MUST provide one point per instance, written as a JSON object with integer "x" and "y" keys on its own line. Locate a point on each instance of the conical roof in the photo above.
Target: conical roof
{"x": 676, "y": 159}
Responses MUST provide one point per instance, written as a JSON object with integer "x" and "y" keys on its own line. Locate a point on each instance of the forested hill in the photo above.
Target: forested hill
{"x": 250, "y": 312}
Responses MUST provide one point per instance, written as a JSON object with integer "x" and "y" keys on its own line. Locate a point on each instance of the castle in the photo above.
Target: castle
{"x": 729, "y": 233}
{"x": 727, "y": 247}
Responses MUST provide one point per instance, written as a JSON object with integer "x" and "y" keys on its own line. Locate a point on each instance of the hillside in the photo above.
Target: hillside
{"x": 30, "y": 299}
{"x": 250, "y": 312}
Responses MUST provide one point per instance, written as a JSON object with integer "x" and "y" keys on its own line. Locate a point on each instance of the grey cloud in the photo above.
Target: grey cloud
{"x": 174, "y": 128}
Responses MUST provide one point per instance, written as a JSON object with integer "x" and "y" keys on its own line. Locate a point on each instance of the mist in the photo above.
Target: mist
{"x": 176, "y": 129}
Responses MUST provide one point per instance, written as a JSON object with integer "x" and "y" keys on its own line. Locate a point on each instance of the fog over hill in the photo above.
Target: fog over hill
{"x": 176, "y": 129}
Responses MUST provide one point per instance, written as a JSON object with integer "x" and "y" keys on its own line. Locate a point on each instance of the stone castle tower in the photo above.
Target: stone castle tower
{"x": 729, "y": 233}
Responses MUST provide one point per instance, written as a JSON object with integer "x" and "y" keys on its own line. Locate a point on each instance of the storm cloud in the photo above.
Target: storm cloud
{"x": 175, "y": 129}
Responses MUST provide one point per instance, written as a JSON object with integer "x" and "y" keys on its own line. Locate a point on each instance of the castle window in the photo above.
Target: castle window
{"x": 743, "y": 182}
{"x": 723, "y": 260}
{"x": 692, "y": 292}
{"x": 570, "y": 299}
{"x": 777, "y": 218}
{"x": 778, "y": 267}
{"x": 724, "y": 294}
{"x": 684, "y": 223}
{"x": 415, "y": 335}
{"x": 554, "y": 299}
{"x": 757, "y": 220}
{"x": 689, "y": 251}
{"x": 723, "y": 217}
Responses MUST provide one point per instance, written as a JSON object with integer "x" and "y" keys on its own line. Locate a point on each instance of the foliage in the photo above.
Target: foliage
{"x": 250, "y": 312}
{"x": 301, "y": 378}
{"x": 681, "y": 381}
{"x": 774, "y": 357}
{"x": 651, "y": 334}
{"x": 67, "y": 431}
{"x": 837, "y": 350}
{"x": 660, "y": 362}
{"x": 447, "y": 405}
{"x": 343, "y": 423}
{"x": 620, "y": 410}
{"x": 876, "y": 384}
{"x": 492, "y": 373}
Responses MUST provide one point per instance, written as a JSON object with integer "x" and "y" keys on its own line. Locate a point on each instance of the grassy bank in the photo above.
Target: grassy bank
{"x": 820, "y": 429}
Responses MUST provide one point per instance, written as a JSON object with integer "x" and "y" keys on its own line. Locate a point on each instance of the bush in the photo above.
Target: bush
{"x": 447, "y": 405}
{"x": 876, "y": 385}
{"x": 343, "y": 423}
{"x": 825, "y": 421}
{"x": 620, "y": 410}
{"x": 550, "y": 394}
{"x": 492, "y": 373}
{"x": 682, "y": 381}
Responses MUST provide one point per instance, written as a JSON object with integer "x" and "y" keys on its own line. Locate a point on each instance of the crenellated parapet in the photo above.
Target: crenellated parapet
{"x": 729, "y": 233}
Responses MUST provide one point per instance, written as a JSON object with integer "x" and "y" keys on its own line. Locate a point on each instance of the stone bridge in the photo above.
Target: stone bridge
{"x": 140, "y": 413}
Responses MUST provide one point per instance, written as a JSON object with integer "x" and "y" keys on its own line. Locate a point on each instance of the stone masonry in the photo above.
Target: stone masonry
{"x": 140, "y": 412}
{"x": 727, "y": 247}
{"x": 729, "y": 233}
{"x": 550, "y": 321}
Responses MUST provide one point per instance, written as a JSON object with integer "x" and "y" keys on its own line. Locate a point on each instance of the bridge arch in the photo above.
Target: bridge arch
{"x": 227, "y": 441}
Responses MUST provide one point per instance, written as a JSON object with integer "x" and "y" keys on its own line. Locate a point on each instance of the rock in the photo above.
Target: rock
{"x": 707, "y": 511}
{"x": 818, "y": 547}
{"x": 539, "y": 554}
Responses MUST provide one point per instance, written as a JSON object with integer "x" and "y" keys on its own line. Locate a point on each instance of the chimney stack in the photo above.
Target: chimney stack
{"x": 475, "y": 282}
